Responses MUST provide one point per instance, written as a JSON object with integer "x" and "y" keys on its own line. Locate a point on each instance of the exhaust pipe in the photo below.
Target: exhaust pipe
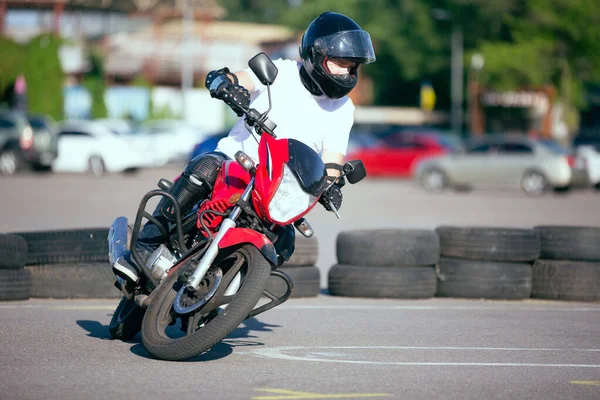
{"x": 117, "y": 239}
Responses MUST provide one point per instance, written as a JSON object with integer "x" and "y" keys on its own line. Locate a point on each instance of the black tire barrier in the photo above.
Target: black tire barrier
{"x": 306, "y": 251}
{"x": 483, "y": 279}
{"x": 566, "y": 280}
{"x": 306, "y": 279}
{"x": 416, "y": 282}
{"x": 73, "y": 281}
{"x": 489, "y": 243}
{"x": 13, "y": 251}
{"x": 569, "y": 243}
{"x": 15, "y": 284}
{"x": 66, "y": 246}
{"x": 388, "y": 247}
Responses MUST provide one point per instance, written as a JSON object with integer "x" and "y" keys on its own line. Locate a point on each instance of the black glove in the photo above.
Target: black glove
{"x": 222, "y": 88}
{"x": 334, "y": 193}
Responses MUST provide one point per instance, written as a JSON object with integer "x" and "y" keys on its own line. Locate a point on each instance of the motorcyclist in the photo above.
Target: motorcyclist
{"x": 310, "y": 103}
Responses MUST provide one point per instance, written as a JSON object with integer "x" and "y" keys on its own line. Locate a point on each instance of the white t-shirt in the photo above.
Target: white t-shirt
{"x": 317, "y": 121}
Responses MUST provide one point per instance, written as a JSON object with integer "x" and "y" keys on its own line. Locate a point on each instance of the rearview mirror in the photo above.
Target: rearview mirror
{"x": 355, "y": 171}
{"x": 263, "y": 68}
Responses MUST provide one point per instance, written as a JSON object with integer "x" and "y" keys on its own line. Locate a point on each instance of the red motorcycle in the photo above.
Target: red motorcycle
{"x": 211, "y": 271}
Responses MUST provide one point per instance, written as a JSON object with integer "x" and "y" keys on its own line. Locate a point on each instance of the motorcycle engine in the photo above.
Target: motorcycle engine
{"x": 160, "y": 262}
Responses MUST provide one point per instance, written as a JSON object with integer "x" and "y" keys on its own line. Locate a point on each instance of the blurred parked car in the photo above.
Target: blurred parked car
{"x": 85, "y": 146}
{"x": 26, "y": 141}
{"x": 176, "y": 139}
{"x": 534, "y": 166}
{"x": 396, "y": 153}
{"x": 588, "y": 158}
{"x": 142, "y": 140}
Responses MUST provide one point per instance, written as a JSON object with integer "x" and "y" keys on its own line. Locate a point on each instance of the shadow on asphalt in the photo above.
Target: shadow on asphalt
{"x": 240, "y": 337}
{"x": 95, "y": 329}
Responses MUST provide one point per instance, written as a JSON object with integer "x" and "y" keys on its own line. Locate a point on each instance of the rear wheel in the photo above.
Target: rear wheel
{"x": 534, "y": 183}
{"x": 434, "y": 180}
{"x": 10, "y": 162}
{"x": 208, "y": 315}
{"x": 126, "y": 321}
{"x": 96, "y": 166}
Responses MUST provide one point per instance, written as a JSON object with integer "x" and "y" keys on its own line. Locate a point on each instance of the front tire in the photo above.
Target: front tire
{"x": 126, "y": 321}
{"x": 209, "y": 324}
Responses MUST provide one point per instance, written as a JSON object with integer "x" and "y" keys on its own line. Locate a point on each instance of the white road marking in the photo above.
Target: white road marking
{"x": 278, "y": 353}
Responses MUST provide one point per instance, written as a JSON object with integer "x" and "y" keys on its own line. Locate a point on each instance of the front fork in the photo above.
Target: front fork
{"x": 213, "y": 249}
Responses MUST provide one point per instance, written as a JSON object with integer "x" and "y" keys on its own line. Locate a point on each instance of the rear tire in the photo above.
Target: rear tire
{"x": 534, "y": 183}
{"x": 96, "y": 166}
{"x": 434, "y": 180}
{"x": 127, "y": 320}
{"x": 160, "y": 312}
{"x": 10, "y": 162}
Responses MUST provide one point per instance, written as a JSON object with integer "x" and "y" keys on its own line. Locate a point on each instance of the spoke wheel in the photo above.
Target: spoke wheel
{"x": 171, "y": 335}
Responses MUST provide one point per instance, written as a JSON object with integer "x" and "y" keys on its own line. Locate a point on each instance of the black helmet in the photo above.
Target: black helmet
{"x": 333, "y": 35}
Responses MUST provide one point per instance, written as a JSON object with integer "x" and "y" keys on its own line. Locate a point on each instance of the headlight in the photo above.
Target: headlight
{"x": 289, "y": 200}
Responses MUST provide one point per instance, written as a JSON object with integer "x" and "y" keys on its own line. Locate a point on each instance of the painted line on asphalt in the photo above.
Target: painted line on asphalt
{"x": 588, "y": 383}
{"x": 284, "y": 394}
{"x": 522, "y": 307}
{"x": 277, "y": 353}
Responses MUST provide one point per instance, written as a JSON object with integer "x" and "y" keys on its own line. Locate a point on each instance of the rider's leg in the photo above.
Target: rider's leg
{"x": 193, "y": 185}
{"x": 285, "y": 243}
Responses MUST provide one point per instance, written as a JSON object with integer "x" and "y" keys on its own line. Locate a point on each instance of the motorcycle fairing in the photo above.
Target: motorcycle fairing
{"x": 236, "y": 236}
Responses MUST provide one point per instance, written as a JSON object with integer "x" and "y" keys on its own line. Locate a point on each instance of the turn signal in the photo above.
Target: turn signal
{"x": 304, "y": 227}
{"x": 245, "y": 161}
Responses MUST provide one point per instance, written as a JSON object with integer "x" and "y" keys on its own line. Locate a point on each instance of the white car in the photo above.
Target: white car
{"x": 142, "y": 140}
{"x": 85, "y": 146}
{"x": 176, "y": 138}
{"x": 588, "y": 158}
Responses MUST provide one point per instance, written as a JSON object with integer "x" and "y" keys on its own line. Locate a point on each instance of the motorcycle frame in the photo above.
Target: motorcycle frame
{"x": 234, "y": 236}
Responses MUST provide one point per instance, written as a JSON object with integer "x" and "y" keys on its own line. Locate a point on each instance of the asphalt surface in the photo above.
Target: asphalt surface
{"x": 317, "y": 348}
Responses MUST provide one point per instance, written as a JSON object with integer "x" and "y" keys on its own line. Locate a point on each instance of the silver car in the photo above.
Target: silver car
{"x": 534, "y": 166}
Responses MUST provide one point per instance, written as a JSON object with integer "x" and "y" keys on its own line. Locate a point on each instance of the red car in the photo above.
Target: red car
{"x": 396, "y": 154}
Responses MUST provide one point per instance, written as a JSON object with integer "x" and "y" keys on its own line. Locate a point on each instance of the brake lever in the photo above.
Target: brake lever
{"x": 335, "y": 210}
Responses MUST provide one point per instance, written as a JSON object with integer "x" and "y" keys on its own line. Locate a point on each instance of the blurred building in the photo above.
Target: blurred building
{"x": 160, "y": 53}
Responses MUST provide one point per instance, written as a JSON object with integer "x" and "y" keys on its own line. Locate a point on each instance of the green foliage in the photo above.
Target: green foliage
{"x": 94, "y": 82}
{"x": 96, "y": 86}
{"x": 44, "y": 76}
{"x": 38, "y": 62}
{"x": 164, "y": 112}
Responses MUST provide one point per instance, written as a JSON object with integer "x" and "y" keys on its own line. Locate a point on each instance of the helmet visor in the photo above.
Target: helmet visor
{"x": 355, "y": 45}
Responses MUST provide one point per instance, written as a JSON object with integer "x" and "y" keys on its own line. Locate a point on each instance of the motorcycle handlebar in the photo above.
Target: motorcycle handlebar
{"x": 260, "y": 121}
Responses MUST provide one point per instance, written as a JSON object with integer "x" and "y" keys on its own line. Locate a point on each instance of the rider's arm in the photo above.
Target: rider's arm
{"x": 329, "y": 156}
{"x": 244, "y": 80}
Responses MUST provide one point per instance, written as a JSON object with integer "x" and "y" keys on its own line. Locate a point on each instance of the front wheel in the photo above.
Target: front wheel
{"x": 218, "y": 314}
{"x": 126, "y": 321}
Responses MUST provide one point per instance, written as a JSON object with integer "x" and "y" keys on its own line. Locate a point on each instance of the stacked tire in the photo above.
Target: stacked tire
{"x": 302, "y": 270}
{"x": 70, "y": 263}
{"x": 15, "y": 280}
{"x": 486, "y": 262}
{"x": 569, "y": 264}
{"x": 385, "y": 263}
